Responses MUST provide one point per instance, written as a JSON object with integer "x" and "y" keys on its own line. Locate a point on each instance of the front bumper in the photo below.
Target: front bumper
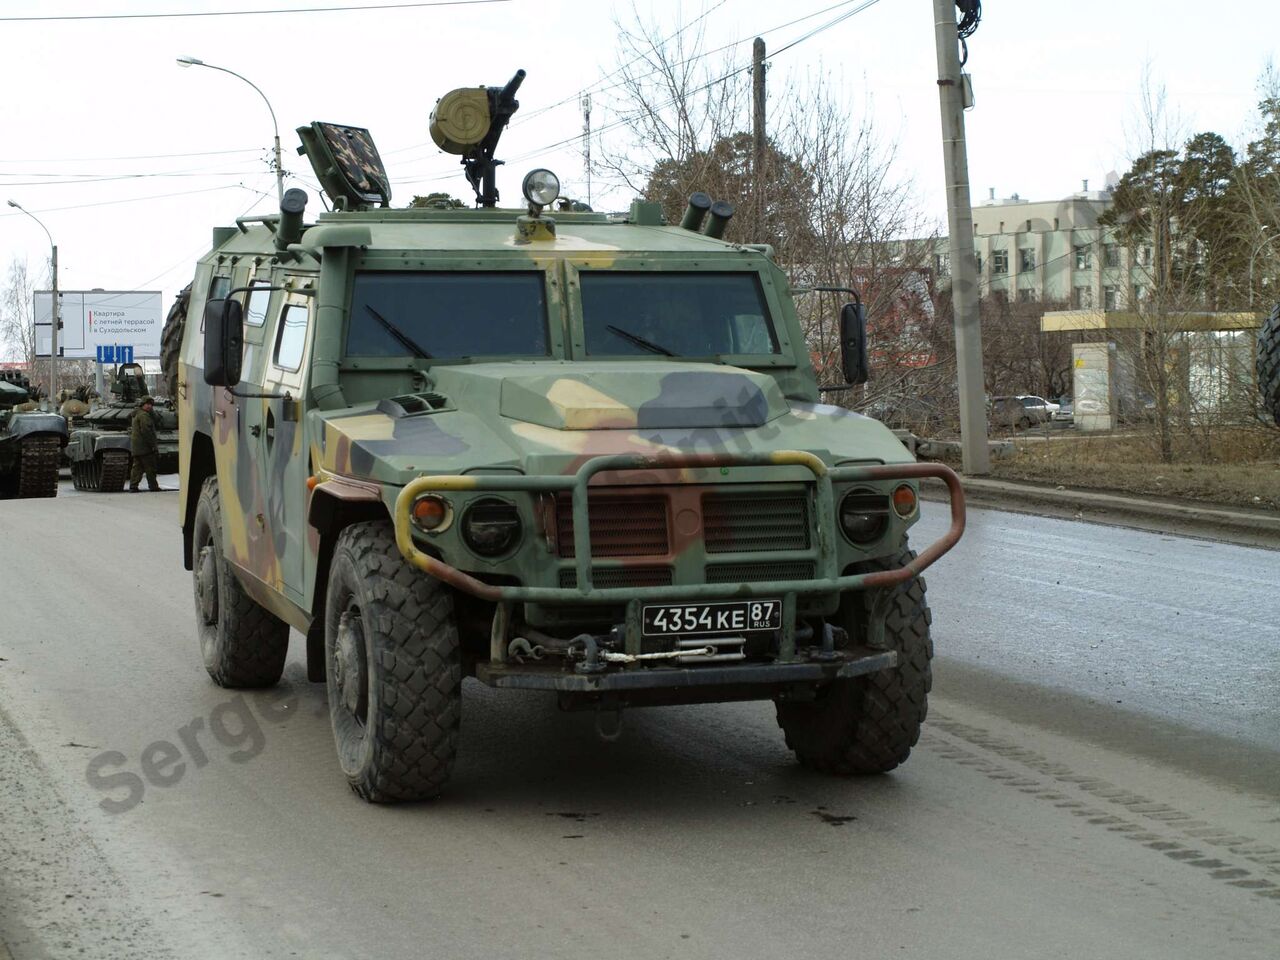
{"x": 790, "y": 663}
{"x": 828, "y": 580}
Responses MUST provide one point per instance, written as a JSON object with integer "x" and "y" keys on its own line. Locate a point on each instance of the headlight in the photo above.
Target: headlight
{"x": 491, "y": 527}
{"x": 864, "y": 515}
{"x": 541, "y": 187}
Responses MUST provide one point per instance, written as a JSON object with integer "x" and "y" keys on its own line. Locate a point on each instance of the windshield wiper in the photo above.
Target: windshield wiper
{"x": 404, "y": 339}
{"x": 641, "y": 341}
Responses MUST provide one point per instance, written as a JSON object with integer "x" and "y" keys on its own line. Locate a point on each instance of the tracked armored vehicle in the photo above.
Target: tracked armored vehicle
{"x": 99, "y": 448}
{"x": 31, "y": 441}
{"x": 552, "y": 449}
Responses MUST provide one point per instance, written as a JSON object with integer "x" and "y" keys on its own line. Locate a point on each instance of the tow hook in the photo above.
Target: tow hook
{"x": 609, "y": 723}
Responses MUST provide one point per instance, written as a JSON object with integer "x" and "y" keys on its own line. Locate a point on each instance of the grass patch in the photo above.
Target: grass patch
{"x": 1238, "y": 466}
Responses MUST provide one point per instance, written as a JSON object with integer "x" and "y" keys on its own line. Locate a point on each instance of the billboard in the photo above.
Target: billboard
{"x": 100, "y": 318}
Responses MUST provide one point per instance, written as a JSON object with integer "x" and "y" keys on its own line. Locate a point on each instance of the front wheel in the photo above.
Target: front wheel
{"x": 869, "y": 724}
{"x": 394, "y": 675}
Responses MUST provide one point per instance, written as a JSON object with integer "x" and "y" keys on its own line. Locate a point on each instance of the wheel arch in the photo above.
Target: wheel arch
{"x": 202, "y": 465}
{"x": 331, "y": 511}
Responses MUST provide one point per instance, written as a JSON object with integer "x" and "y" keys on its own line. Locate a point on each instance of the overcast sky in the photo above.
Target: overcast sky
{"x": 129, "y": 160}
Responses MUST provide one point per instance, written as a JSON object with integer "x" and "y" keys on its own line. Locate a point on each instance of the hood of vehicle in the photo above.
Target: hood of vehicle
{"x": 550, "y": 417}
{"x": 644, "y": 396}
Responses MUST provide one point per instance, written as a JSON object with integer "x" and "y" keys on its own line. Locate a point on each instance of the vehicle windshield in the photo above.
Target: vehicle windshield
{"x": 675, "y": 314}
{"x": 448, "y": 316}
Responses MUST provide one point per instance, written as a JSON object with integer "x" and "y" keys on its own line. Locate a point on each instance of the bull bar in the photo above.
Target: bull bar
{"x": 824, "y": 478}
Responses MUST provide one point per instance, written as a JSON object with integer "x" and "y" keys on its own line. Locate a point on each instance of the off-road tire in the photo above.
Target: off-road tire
{"x": 869, "y": 724}
{"x": 242, "y": 643}
{"x": 1268, "y": 363}
{"x": 112, "y": 470}
{"x": 38, "y": 462}
{"x": 404, "y": 746}
{"x": 171, "y": 341}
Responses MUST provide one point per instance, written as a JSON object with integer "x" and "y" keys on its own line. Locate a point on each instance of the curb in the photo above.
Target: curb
{"x": 1257, "y": 528}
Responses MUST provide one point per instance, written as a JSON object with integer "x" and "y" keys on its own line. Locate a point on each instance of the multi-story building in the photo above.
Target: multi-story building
{"x": 1032, "y": 252}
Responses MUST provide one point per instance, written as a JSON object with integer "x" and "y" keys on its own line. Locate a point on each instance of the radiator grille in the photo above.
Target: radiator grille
{"x": 758, "y": 572}
{"x": 736, "y": 522}
{"x": 605, "y": 577}
{"x": 620, "y": 526}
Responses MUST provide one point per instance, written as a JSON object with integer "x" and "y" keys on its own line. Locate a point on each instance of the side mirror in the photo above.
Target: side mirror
{"x": 223, "y": 342}
{"x": 853, "y": 342}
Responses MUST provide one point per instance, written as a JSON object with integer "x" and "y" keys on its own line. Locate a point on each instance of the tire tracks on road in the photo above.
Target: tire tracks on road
{"x": 1099, "y": 802}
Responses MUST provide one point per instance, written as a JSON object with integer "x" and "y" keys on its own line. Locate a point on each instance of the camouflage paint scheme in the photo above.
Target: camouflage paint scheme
{"x": 507, "y": 417}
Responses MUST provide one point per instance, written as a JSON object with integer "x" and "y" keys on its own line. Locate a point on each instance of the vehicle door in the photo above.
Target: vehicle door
{"x": 280, "y": 449}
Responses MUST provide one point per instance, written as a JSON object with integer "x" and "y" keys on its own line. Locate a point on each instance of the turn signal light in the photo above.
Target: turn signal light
{"x": 904, "y": 501}
{"x": 430, "y": 512}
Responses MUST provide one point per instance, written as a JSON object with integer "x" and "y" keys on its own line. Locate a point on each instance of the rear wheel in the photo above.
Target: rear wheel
{"x": 1268, "y": 363}
{"x": 869, "y": 724}
{"x": 394, "y": 675}
{"x": 243, "y": 644}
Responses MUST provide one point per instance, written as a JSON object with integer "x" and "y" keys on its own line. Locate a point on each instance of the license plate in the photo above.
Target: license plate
{"x": 737, "y": 616}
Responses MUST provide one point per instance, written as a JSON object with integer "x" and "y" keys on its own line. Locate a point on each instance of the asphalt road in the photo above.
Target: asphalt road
{"x": 1039, "y": 817}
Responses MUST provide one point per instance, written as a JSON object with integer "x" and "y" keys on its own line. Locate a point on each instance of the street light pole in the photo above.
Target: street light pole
{"x": 56, "y": 318}
{"x": 193, "y": 62}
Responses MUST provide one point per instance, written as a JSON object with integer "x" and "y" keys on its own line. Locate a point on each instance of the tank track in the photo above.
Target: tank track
{"x": 38, "y": 467}
{"x": 107, "y": 473}
{"x": 115, "y": 471}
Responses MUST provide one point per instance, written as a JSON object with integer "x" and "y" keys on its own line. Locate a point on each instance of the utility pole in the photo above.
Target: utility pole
{"x": 53, "y": 342}
{"x": 975, "y": 457}
{"x": 758, "y": 133}
{"x": 586, "y": 140}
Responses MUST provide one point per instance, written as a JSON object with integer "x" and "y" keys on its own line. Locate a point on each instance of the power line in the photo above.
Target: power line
{"x": 106, "y": 178}
{"x": 152, "y": 156}
{"x": 158, "y": 196}
{"x": 598, "y": 88}
{"x": 249, "y": 13}
{"x": 621, "y": 121}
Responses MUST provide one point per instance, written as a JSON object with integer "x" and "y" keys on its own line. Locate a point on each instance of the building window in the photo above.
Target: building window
{"x": 1084, "y": 257}
{"x": 1027, "y": 295}
{"x": 999, "y": 261}
{"x": 1110, "y": 299}
{"x": 942, "y": 264}
{"x": 1026, "y": 260}
{"x": 1082, "y": 298}
{"x": 1144, "y": 255}
{"x": 977, "y": 260}
{"x": 1139, "y": 293}
{"x": 1110, "y": 255}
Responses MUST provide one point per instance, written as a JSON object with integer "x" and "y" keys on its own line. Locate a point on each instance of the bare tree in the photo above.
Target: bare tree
{"x": 828, "y": 199}
{"x": 17, "y": 329}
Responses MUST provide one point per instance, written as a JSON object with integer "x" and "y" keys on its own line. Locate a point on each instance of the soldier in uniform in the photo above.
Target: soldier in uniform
{"x": 144, "y": 446}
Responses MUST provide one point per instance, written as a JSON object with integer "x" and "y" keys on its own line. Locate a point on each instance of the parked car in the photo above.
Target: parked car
{"x": 1022, "y": 411}
{"x": 1065, "y": 414}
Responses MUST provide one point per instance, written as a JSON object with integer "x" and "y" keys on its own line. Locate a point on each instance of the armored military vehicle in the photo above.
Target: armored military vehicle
{"x": 548, "y": 448}
{"x": 31, "y": 441}
{"x": 1268, "y": 363}
{"x": 99, "y": 446}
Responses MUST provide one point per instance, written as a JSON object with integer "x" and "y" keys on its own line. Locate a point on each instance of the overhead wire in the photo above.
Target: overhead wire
{"x": 598, "y": 88}
{"x": 248, "y": 13}
{"x": 621, "y": 121}
{"x": 152, "y": 156}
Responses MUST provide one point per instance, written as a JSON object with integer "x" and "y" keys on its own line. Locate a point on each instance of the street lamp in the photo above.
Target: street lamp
{"x": 56, "y": 319}
{"x": 193, "y": 62}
